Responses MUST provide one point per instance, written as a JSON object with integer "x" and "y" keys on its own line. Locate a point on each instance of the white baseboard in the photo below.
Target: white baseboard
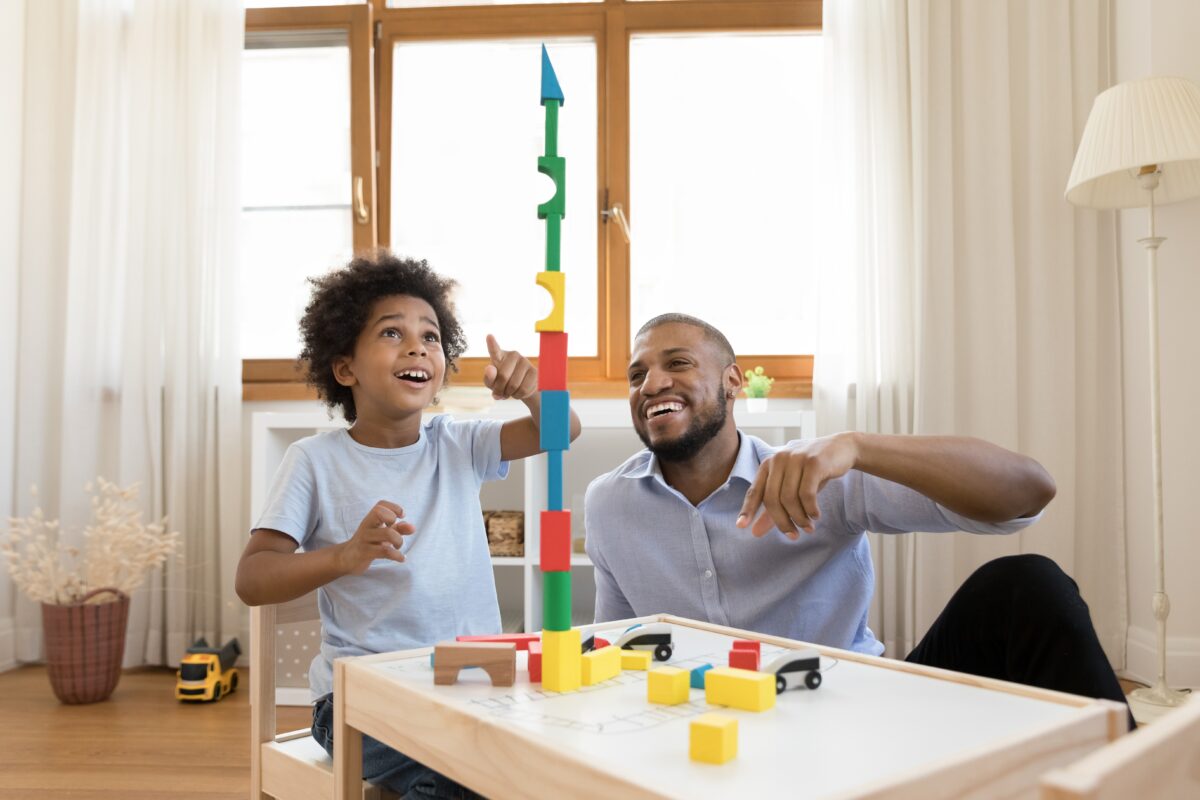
{"x": 1183, "y": 658}
{"x": 8, "y": 645}
{"x": 293, "y": 696}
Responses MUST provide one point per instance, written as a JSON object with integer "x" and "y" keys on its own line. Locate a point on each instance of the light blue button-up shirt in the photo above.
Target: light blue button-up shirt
{"x": 654, "y": 552}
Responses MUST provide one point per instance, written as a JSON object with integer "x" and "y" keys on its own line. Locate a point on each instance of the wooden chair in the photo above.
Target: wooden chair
{"x": 1157, "y": 761}
{"x": 290, "y": 766}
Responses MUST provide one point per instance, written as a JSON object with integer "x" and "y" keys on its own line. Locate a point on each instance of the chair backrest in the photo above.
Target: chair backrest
{"x": 1159, "y": 760}
{"x": 263, "y": 622}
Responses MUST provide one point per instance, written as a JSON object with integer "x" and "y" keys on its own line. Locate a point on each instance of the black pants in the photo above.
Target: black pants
{"x": 1021, "y": 619}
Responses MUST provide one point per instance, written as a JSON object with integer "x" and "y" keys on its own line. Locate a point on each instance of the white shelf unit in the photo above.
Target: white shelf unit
{"x": 608, "y": 439}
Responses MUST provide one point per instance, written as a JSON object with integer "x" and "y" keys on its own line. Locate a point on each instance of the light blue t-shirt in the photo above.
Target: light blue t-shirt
{"x": 326, "y": 485}
{"x": 655, "y": 552}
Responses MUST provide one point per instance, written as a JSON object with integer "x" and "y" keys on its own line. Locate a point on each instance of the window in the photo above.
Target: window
{"x": 697, "y": 117}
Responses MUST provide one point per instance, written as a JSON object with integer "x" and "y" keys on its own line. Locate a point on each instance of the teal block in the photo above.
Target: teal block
{"x": 551, "y": 128}
{"x": 556, "y": 168}
{"x": 697, "y": 676}
{"x": 556, "y": 601}
{"x": 550, "y": 88}
{"x": 554, "y": 471}
{"x": 555, "y": 423}
{"x": 553, "y": 243}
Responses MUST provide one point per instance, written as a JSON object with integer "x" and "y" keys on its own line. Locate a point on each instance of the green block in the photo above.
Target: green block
{"x": 556, "y": 601}
{"x": 553, "y": 243}
{"x": 551, "y": 127}
{"x": 556, "y": 168}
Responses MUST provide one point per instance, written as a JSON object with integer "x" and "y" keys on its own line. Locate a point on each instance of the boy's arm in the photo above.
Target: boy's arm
{"x": 271, "y": 571}
{"x": 510, "y": 375}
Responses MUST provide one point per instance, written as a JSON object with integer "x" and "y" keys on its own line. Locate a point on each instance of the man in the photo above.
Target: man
{"x": 673, "y": 529}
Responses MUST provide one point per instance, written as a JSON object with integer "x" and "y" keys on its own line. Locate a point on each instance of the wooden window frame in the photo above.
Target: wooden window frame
{"x": 611, "y": 23}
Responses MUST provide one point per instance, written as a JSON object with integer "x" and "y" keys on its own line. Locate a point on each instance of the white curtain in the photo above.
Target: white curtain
{"x": 965, "y": 295}
{"x": 126, "y": 362}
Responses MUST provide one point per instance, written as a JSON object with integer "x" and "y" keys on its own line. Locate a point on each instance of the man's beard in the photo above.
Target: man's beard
{"x": 702, "y": 431}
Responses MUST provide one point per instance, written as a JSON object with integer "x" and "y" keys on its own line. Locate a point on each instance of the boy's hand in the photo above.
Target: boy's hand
{"x": 510, "y": 374}
{"x": 379, "y": 535}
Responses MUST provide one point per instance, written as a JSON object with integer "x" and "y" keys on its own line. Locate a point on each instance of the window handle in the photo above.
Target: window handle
{"x": 618, "y": 213}
{"x": 361, "y": 212}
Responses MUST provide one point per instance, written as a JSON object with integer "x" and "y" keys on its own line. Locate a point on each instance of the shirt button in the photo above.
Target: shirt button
{"x": 708, "y": 573}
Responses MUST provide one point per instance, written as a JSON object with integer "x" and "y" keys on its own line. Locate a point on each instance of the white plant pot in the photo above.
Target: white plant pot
{"x": 756, "y": 405}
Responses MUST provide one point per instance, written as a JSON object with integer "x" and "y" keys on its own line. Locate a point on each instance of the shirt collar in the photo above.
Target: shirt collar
{"x": 745, "y": 466}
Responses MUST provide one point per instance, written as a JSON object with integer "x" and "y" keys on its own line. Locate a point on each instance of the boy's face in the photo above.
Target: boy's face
{"x": 398, "y": 363}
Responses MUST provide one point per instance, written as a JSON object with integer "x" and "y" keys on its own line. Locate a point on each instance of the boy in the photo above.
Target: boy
{"x": 388, "y": 511}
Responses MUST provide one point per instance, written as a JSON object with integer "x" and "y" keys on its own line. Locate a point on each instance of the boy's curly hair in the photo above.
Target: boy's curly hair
{"x": 340, "y": 307}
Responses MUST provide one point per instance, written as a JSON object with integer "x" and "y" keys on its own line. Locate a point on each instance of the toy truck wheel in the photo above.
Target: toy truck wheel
{"x": 812, "y": 680}
{"x": 663, "y": 652}
{"x": 216, "y": 691}
{"x": 780, "y": 684}
{"x": 233, "y": 682}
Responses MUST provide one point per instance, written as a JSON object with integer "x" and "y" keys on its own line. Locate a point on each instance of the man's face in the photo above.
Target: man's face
{"x": 677, "y": 391}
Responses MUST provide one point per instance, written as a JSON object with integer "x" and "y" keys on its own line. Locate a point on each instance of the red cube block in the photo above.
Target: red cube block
{"x": 552, "y": 362}
{"x": 743, "y": 659}
{"x": 535, "y": 662}
{"x": 556, "y": 541}
{"x": 748, "y": 644}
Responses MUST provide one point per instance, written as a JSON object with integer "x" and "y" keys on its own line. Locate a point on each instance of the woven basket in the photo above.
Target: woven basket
{"x": 84, "y": 646}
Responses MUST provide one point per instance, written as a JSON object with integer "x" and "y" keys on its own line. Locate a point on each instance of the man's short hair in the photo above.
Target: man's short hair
{"x": 710, "y": 333}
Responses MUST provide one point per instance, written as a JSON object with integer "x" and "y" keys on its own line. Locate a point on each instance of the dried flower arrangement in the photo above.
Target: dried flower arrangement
{"x": 118, "y": 549}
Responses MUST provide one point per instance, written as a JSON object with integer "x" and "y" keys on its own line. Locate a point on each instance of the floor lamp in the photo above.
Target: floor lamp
{"x": 1141, "y": 147}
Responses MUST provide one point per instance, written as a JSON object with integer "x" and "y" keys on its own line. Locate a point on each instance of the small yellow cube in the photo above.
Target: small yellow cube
{"x": 560, "y": 661}
{"x": 713, "y": 738}
{"x": 667, "y": 685}
{"x": 600, "y": 665}
{"x": 636, "y": 659}
{"x": 740, "y": 688}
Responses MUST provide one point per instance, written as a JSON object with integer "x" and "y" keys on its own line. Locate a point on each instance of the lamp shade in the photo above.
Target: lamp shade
{"x": 1132, "y": 125}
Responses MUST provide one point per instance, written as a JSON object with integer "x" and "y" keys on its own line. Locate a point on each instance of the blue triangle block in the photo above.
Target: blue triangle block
{"x": 550, "y": 88}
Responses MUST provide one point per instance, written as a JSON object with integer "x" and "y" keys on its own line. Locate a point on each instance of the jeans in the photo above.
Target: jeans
{"x": 1021, "y": 619}
{"x": 383, "y": 766}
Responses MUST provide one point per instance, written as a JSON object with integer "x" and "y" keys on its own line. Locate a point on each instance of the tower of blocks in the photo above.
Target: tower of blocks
{"x": 561, "y": 661}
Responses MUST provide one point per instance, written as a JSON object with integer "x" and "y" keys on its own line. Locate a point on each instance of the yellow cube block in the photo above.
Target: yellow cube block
{"x": 560, "y": 661}
{"x": 600, "y": 665}
{"x": 740, "y": 688}
{"x": 636, "y": 659}
{"x": 713, "y": 738}
{"x": 667, "y": 685}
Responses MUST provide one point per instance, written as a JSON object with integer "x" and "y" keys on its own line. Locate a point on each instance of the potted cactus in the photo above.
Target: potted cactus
{"x": 758, "y": 386}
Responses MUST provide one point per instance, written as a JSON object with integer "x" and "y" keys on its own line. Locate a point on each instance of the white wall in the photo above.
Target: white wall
{"x": 12, "y": 42}
{"x": 1159, "y": 37}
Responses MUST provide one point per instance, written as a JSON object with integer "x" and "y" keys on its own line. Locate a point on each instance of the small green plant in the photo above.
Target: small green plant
{"x": 758, "y": 383}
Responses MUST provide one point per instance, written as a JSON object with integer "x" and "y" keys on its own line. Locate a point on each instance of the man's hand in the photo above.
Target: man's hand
{"x": 379, "y": 535}
{"x": 788, "y": 482}
{"x": 510, "y": 374}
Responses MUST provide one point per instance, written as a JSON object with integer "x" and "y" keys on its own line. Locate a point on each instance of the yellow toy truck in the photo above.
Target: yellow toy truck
{"x": 207, "y": 674}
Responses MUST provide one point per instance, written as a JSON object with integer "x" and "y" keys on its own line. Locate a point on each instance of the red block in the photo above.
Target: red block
{"x": 552, "y": 362}
{"x": 556, "y": 541}
{"x": 602, "y": 643}
{"x": 521, "y": 640}
{"x": 747, "y": 644}
{"x": 535, "y": 661}
{"x": 743, "y": 659}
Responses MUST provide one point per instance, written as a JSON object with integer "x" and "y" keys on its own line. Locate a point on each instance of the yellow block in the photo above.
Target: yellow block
{"x": 667, "y": 685}
{"x": 713, "y": 738}
{"x": 740, "y": 688}
{"x": 600, "y": 665}
{"x": 560, "y": 661}
{"x": 636, "y": 659}
{"x": 556, "y": 284}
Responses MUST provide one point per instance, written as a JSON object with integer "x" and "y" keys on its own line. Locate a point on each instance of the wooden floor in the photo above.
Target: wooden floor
{"x": 139, "y": 744}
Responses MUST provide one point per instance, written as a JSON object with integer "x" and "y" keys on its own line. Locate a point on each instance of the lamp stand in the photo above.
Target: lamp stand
{"x": 1159, "y": 694}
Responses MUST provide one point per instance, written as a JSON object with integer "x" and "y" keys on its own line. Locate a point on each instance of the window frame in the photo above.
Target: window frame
{"x": 374, "y": 29}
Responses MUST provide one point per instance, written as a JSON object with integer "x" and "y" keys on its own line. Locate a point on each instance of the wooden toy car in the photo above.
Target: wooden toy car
{"x": 654, "y": 636}
{"x": 207, "y": 673}
{"x": 794, "y": 669}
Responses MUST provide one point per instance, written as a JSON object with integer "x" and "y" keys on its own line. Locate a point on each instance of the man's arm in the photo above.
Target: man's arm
{"x": 970, "y": 477}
